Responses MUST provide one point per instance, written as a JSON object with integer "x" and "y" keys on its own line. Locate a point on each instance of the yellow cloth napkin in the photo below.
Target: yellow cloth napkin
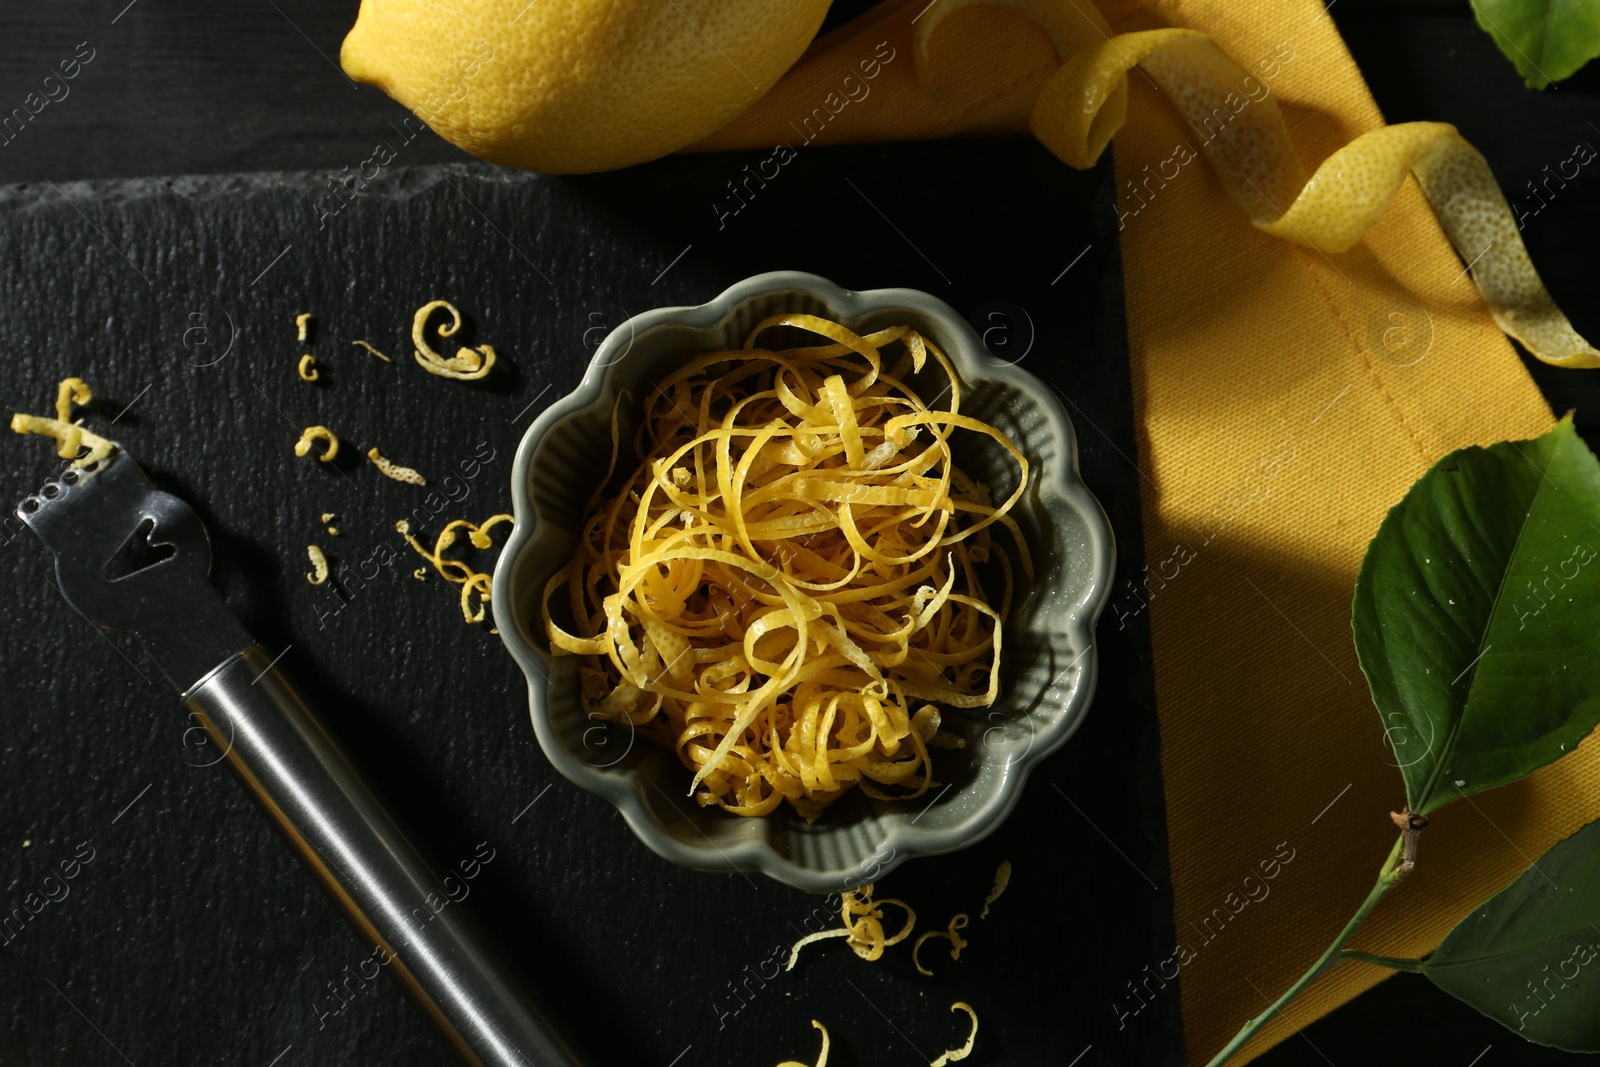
{"x": 1284, "y": 400}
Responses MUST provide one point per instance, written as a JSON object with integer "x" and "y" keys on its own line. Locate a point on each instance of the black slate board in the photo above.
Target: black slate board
{"x": 192, "y": 935}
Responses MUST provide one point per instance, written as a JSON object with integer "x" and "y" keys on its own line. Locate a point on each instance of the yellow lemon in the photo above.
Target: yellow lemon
{"x": 567, "y": 86}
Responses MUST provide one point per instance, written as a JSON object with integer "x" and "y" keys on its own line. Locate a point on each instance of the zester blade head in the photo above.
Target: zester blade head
{"x": 135, "y": 559}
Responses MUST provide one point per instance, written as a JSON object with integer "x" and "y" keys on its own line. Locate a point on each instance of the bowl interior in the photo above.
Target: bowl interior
{"x": 1047, "y": 659}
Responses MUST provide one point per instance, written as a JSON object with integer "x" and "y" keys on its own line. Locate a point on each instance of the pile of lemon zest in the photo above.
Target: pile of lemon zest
{"x": 1002, "y": 878}
{"x": 952, "y": 934}
{"x": 308, "y": 368}
{"x": 822, "y": 1058}
{"x": 301, "y": 322}
{"x": 794, "y": 572}
{"x": 1085, "y": 102}
{"x": 965, "y": 1050}
{"x": 320, "y": 564}
{"x": 454, "y": 570}
{"x": 468, "y": 364}
{"x": 374, "y": 351}
{"x": 70, "y": 438}
{"x": 394, "y": 470}
{"x": 315, "y": 433}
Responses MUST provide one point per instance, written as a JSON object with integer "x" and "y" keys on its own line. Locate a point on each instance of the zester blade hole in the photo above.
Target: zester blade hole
{"x": 138, "y": 553}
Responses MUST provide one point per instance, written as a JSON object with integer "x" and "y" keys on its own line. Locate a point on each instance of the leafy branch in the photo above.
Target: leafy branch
{"x": 1477, "y": 625}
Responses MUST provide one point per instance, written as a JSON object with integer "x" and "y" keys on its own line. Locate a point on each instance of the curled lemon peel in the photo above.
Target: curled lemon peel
{"x": 820, "y": 935}
{"x": 952, "y": 934}
{"x": 863, "y": 926}
{"x": 471, "y": 581}
{"x": 794, "y": 574}
{"x": 468, "y": 364}
{"x": 319, "y": 565}
{"x": 307, "y": 368}
{"x": 71, "y": 391}
{"x": 374, "y": 351}
{"x": 1002, "y": 878}
{"x": 318, "y": 433}
{"x": 1084, "y": 103}
{"x": 70, "y": 438}
{"x": 301, "y": 323}
{"x": 394, "y": 470}
{"x": 972, "y": 1036}
{"x": 822, "y": 1057}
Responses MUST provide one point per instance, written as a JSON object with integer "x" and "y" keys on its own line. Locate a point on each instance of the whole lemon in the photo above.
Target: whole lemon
{"x": 568, "y": 86}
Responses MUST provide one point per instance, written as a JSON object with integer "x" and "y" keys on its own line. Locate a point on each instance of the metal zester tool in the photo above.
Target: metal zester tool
{"x": 104, "y": 524}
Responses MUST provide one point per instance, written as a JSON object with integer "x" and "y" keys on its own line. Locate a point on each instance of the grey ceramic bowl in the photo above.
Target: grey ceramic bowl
{"x": 1048, "y": 664}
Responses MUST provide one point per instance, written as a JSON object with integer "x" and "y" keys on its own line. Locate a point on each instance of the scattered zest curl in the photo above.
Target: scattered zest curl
{"x": 394, "y": 470}
{"x": 863, "y": 925}
{"x": 958, "y": 922}
{"x": 318, "y": 433}
{"x": 822, "y": 1058}
{"x": 965, "y": 1050}
{"x": 70, "y": 437}
{"x": 467, "y": 365}
{"x": 374, "y": 351}
{"x": 319, "y": 563}
{"x": 454, "y": 570}
{"x": 1002, "y": 878}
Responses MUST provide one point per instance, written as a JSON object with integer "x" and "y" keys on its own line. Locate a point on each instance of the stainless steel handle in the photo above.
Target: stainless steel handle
{"x": 295, "y": 770}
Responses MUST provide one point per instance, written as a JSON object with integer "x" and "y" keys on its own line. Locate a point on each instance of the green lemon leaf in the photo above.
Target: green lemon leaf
{"x": 1477, "y": 616}
{"x": 1546, "y": 40}
{"x": 1530, "y": 957}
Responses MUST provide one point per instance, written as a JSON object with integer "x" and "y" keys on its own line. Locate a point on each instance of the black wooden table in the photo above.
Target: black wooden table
{"x": 190, "y": 934}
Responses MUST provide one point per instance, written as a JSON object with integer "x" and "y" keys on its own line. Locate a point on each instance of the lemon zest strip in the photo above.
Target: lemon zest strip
{"x": 318, "y": 433}
{"x": 374, "y": 351}
{"x": 820, "y": 935}
{"x": 454, "y": 570}
{"x": 822, "y": 1058}
{"x": 70, "y": 438}
{"x": 952, "y": 934}
{"x": 1002, "y": 878}
{"x": 468, "y": 364}
{"x": 965, "y": 1050}
{"x": 319, "y": 563}
{"x": 394, "y": 470}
